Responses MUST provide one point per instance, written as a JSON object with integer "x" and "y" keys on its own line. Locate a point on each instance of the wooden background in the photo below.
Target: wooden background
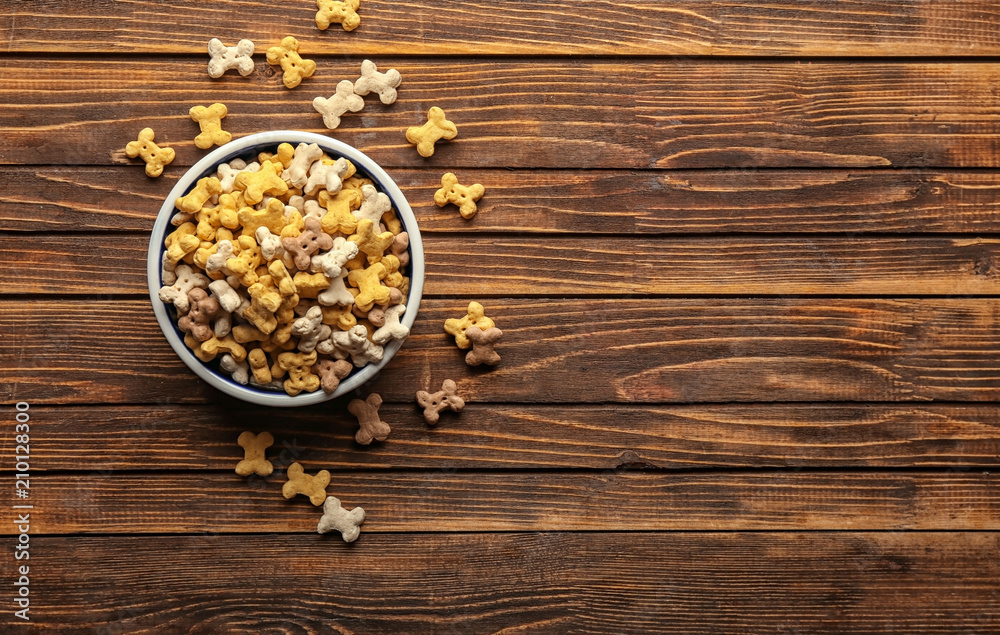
{"x": 746, "y": 257}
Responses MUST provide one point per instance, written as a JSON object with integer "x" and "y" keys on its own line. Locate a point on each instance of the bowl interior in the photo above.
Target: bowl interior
{"x": 247, "y": 148}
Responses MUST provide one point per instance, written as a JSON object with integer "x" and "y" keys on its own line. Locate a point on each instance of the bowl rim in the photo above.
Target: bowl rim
{"x": 254, "y": 143}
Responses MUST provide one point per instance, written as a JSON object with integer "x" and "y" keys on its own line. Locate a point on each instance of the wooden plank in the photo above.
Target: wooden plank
{"x": 94, "y": 264}
{"x": 504, "y": 27}
{"x": 447, "y": 502}
{"x": 686, "y": 583}
{"x": 564, "y": 351}
{"x": 533, "y": 113}
{"x": 82, "y": 198}
{"x": 108, "y": 439}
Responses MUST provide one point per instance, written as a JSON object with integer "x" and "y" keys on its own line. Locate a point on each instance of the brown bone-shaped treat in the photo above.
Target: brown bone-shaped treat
{"x": 198, "y": 321}
{"x": 372, "y": 427}
{"x": 444, "y": 399}
{"x": 253, "y": 446}
{"x": 301, "y": 483}
{"x": 310, "y": 241}
{"x": 482, "y": 346}
{"x": 331, "y": 372}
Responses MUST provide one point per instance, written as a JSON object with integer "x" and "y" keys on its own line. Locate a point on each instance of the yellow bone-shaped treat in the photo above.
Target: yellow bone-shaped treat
{"x": 266, "y": 180}
{"x": 245, "y": 263}
{"x": 283, "y": 279}
{"x": 310, "y": 285}
{"x": 287, "y": 56}
{"x": 283, "y": 156}
{"x": 333, "y": 12}
{"x": 194, "y": 200}
{"x": 210, "y": 121}
{"x": 464, "y": 197}
{"x": 369, "y": 242}
{"x": 154, "y": 156}
{"x": 272, "y": 217}
{"x": 436, "y": 128}
{"x": 213, "y": 346}
{"x": 181, "y": 242}
{"x": 475, "y": 316}
{"x": 339, "y": 315}
{"x": 371, "y": 291}
{"x": 338, "y": 217}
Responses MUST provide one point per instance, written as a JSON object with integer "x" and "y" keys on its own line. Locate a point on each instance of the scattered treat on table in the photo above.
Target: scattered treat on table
{"x": 482, "y": 346}
{"x": 287, "y": 56}
{"x": 383, "y": 84}
{"x": 371, "y": 426}
{"x": 436, "y": 128}
{"x": 313, "y": 487}
{"x": 476, "y": 316}
{"x": 342, "y": 101}
{"x": 210, "y": 121}
{"x": 464, "y": 197}
{"x": 254, "y": 461}
{"x": 154, "y": 156}
{"x": 435, "y": 403}
{"x": 225, "y": 57}
{"x": 335, "y": 517}
{"x": 333, "y": 12}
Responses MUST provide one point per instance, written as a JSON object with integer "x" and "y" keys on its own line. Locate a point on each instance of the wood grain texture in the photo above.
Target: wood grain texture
{"x": 444, "y": 502}
{"x": 667, "y": 113}
{"x": 83, "y": 198}
{"x": 505, "y": 27}
{"x": 92, "y": 264}
{"x": 564, "y": 351}
{"x": 685, "y": 583}
{"x": 108, "y": 439}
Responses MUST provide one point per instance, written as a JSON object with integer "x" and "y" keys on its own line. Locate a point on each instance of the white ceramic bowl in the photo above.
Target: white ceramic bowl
{"x": 247, "y": 148}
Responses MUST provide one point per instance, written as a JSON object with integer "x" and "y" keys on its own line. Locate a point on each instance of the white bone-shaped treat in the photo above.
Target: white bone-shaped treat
{"x": 372, "y": 81}
{"x": 331, "y": 262}
{"x": 229, "y": 298}
{"x": 354, "y": 344}
{"x": 310, "y": 329}
{"x": 393, "y": 329}
{"x": 373, "y": 204}
{"x": 240, "y": 371}
{"x": 335, "y": 517}
{"x": 223, "y": 324}
{"x": 329, "y": 176}
{"x": 339, "y": 103}
{"x": 270, "y": 244}
{"x": 217, "y": 261}
{"x": 227, "y": 57}
{"x": 177, "y": 293}
{"x": 298, "y": 170}
{"x": 337, "y": 292}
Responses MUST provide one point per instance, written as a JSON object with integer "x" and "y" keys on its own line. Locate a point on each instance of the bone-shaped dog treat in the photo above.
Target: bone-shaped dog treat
{"x": 337, "y": 292}
{"x": 332, "y": 262}
{"x": 310, "y": 329}
{"x": 338, "y": 217}
{"x": 300, "y": 377}
{"x": 373, "y": 204}
{"x": 272, "y": 217}
{"x": 199, "y": 316}
{"x": 392, "y": 329}
{"x": 266, "y": 180}
{"x": 476, "y": 316}
{"x": 372, "y": 81}
{"x": 287, "y": 56}
{"x": 339, "y": 316}
{"x": 371, "y": 427}
{"x": 305, "y": 155}
{"x": 270, "y": 244}
{"x": 193, "y": 201}
{"x": 314, "y": 487}
{"x": 181, "y": 242}
{"x": 329, "y": 176}
{"x": 216, "y": 262}
{"x": 435, "y": 403}
{"x": 464, "y": 197}
{"x": 154, "y": 156}
{"x": 400, "y": 244}
{"x": 167, "y": 270}
{"x": 210, "y": 121}
{"x": 340, "y": 102}
{"x": 353, "y": 343}
{"x": 372, "y": 292}
{"x": 258, "y": 366}
{"x": 226, "y": 173}
{"x": 372, "y": 244}
{"x": 254, "y": 446}
{"x": 225, "y": 57}
{"x": 482, "y": 346}
{"x": 331, "y": 372}
{"x": 335, "y": 517}
{"x": 238, "y": 370}
{"x": 282, "y": 157}
{"x": 177, "y": 293}
{"x": 436, "y": 128}
{"x": 303, "y": 246}
{"x": 229, "y": 299}
{"x": 333, "y": 12}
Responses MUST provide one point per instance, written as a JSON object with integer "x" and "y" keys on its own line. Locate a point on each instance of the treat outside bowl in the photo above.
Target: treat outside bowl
{"x": 247, "y": 148}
